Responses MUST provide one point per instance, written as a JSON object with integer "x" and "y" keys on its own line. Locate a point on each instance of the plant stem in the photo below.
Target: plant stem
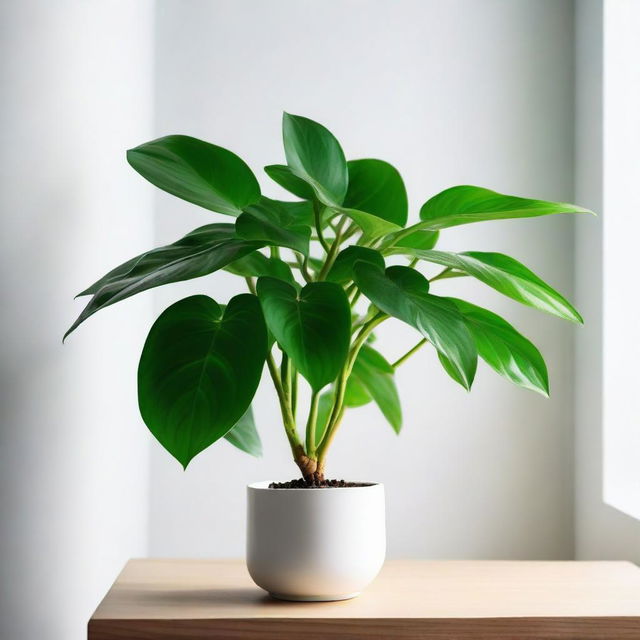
{"x": 409, "y": 353}
{"x": 302, "y": 265}
{"x": 318, "y": 222}
{"x": 448, "y": 272}
{"x": 413, "y": 263}
{"x": 285, "y": 409}
{"x": 311, "y": 425}
{"x": 333, "y": 250}
{"x": 338, "y": 408}
{"x": 251, "y": 284}
{"x": 284, "y": 398}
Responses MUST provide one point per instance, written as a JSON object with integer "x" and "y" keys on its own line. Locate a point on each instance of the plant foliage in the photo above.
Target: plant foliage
{"x": 322, "y": 273}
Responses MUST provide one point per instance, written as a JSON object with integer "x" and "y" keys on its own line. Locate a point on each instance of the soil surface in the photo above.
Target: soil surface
{"x": 300, "y": 483}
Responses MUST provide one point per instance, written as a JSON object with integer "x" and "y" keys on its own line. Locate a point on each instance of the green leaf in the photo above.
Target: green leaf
{"x": 244, "y": 435}
{"x": 342, "y": 269}
{"x": 505, "y": 350}
{"x": 298, "y": 212}
{"x": 314, "y": 155}
{"x": 508, "y": 276}
{"x": 325, "y": 403}
{"x": 376, "y": 187}
{"x": 269, "y": 223}
{"x": 199, "y": 253}
{"x": 198, "y": 172}
{"x": 312, "y": 327}
{"x": 199, "y": 371}
{"x": 256, "y": 264}
{"x": 372, "y": 226}
{"x": 355, "y": 393}
{"x": 403, "y": 292}
{"x": 149, "y": 260}
{"x": 465, "y": 204}
{"x": 283, "y": 175}
{"x": 374, "y": 375}
{"x": 418, "y": 240}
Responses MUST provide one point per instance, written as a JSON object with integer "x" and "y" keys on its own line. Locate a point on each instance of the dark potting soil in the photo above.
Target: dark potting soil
{"x": 300, "y": 483}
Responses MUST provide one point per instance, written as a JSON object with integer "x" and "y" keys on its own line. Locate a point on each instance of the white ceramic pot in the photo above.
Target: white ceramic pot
{"x": 315, "y": 544}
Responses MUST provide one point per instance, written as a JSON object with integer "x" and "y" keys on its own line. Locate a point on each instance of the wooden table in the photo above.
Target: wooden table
{"x": 411, "y": 599}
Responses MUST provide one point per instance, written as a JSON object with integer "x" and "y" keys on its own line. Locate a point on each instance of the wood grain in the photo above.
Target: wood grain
{"x": 411, "y": 599}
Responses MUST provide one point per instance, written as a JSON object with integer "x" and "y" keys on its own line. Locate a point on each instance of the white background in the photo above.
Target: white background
{"x": 500, "y": 93}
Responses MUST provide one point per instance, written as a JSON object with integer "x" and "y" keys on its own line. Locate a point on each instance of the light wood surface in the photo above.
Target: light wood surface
{"x": 411, "y": 599}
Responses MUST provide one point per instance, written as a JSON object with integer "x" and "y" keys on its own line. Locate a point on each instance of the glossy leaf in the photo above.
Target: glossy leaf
{"x": 199, "y": 253}
{"x": 313, "y": 326}
{"x": 256, "y": 264}
{"x": 403, "y": 292}
{"x": 149, "y": 260}
{"x": 314, "y": 155}
{"x": 419, "y": 239}
{"x": 465, "y": 204}
{"x": 355, "y": 393}
{"x": 325, "y": 404}
{"x": 288, "y": 180}
{"x": 342, "y": 269}
{"x": 268, "y": 222}
{"x": 376, "y": 187}
{"x": 244, "y": 435}
{"x": 508, "y": 276}
{"x": 198, "y": 172}
{"x": 375, "y": 376}
{"x": 199, "y": 370}
{"x": 505, "y": 350}
{"x": 372, "y": 226}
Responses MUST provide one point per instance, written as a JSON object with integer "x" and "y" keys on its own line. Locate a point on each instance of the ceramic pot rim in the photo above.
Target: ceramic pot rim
{"x": 263, "y": 485}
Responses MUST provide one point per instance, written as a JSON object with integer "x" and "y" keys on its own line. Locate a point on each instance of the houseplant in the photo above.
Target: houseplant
{"x": 318, "y": 286}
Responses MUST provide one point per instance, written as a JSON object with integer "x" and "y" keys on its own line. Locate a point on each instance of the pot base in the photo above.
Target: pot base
{"x": 330, "y": 598}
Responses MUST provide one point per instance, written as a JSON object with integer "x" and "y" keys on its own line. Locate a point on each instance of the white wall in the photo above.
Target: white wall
{"x": 449, "y": 92}
{"x": 602, "y": 532}
{"x": 76, "y": 79}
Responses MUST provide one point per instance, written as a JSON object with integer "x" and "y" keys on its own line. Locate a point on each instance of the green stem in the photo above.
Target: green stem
{"x": 302, "y": 265}
{"x": 285, "y": 408}
{"x": 318, "y": 222}
{"x": 409, "y": 353}
{"x": 251, "y": 284}
{"x": 341, "y": 385}
{"x": 283, "y": 397}
{"x": 448, "y": 273}
{"x": 333, "y": 250}
{"x": 311, "y": 424}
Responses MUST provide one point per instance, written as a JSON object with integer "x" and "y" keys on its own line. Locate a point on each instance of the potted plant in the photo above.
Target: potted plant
{"x": 322, "y": 272}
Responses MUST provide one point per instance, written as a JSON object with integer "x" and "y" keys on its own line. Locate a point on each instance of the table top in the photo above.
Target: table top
{"x": 161, "y": 598}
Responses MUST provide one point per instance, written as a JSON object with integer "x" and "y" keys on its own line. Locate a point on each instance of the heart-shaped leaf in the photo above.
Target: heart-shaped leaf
{"x": 199, "y": 253}
{"x": 508, "y": 276}
{"x": 376, "y": 187}
{"x": 268, "y": 222}
{"x": 199, "y": 371}
{"x": 403, "y": 292}
{"x": 505, "y": 350}
{"x": 374, "y": 375}
{"x": 313, "y": 326}
{"x": 315, "y": 156}
{"x": 288, "y": 180}
{"x": 244, "y": 435}
{"x": 342, "y": 269}
{"x": 198, "y": 172}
